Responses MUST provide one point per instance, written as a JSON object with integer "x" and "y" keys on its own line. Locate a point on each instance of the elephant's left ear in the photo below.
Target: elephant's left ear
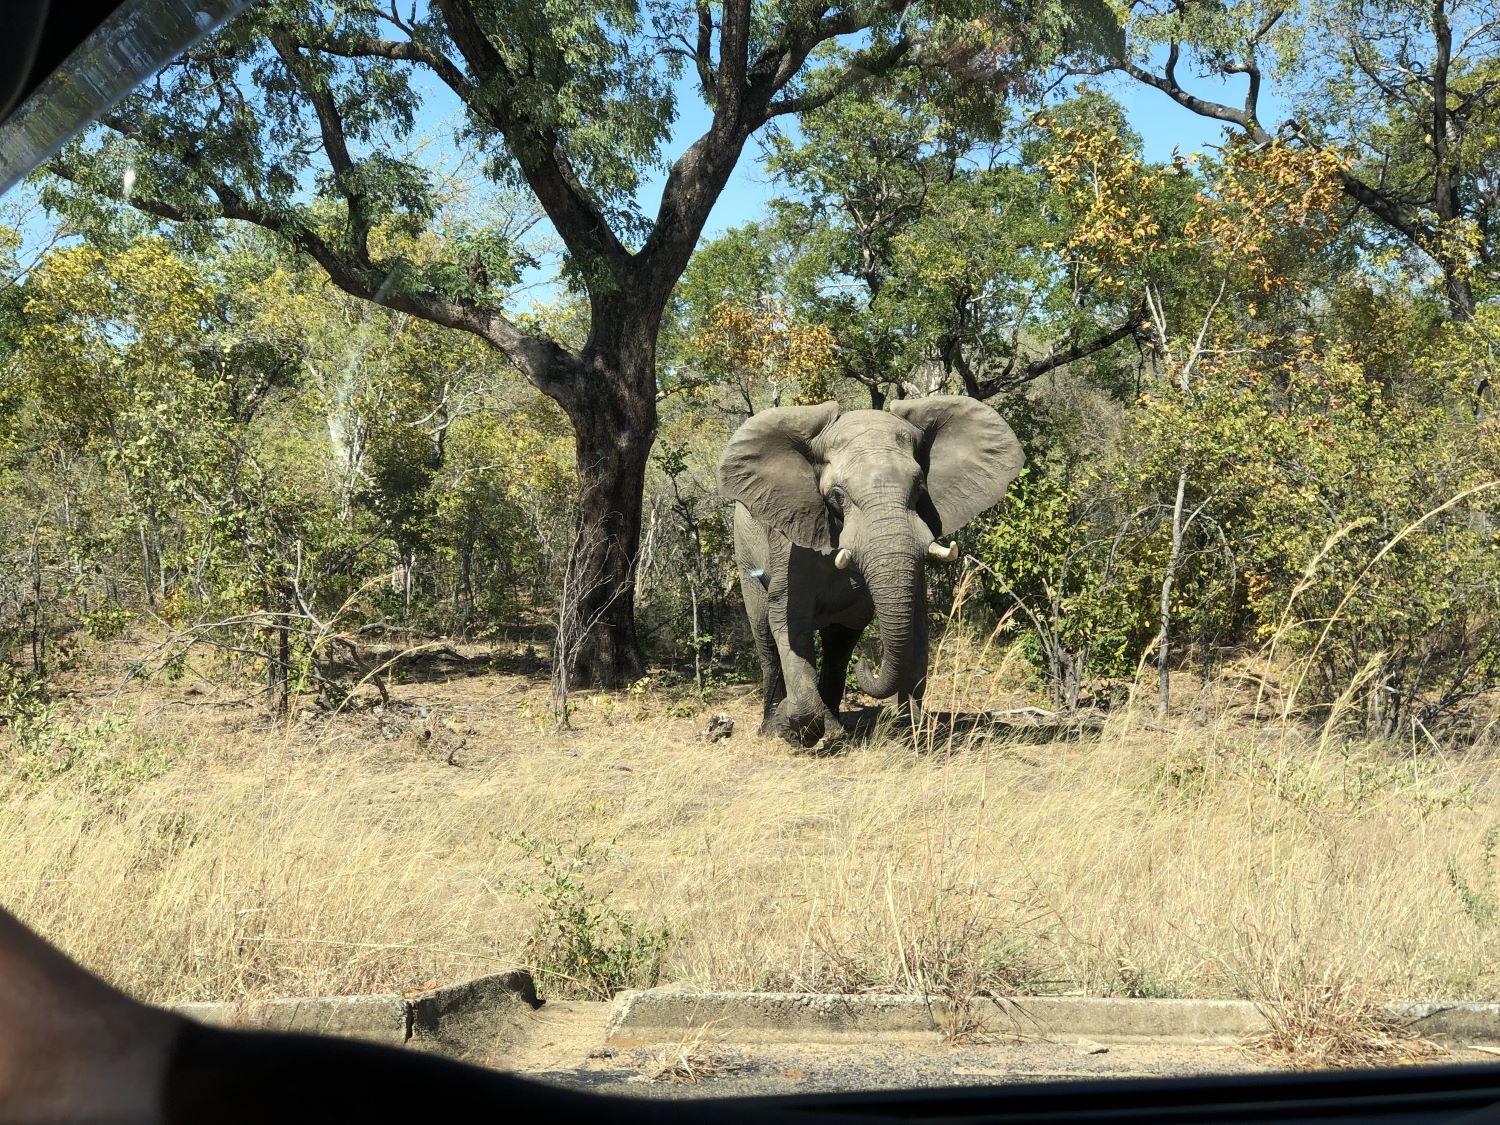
{"x": 968, "y": 452}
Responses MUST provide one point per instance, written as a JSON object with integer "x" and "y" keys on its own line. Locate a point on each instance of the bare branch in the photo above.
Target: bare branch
{"x": 1018, "y": 374}
{"x": 315, "y": 89}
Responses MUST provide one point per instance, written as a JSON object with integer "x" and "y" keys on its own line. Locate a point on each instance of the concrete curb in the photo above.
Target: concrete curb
{"x": 1450, "y": 1022}
{"x": 378, "y": 1019}
{"x": 476, "y": 1019}
{"x": 492, "y": 1017}
{"x": 668, "y": 1013}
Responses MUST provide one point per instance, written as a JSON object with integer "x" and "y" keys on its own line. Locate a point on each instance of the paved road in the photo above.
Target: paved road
{"x": 572, "y": 1056}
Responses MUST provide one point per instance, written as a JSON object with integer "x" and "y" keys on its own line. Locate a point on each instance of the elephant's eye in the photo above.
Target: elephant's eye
{"x": 837, "y": 498}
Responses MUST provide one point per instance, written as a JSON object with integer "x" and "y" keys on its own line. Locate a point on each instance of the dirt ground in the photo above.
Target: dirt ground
{"x": 567, "y": 1047}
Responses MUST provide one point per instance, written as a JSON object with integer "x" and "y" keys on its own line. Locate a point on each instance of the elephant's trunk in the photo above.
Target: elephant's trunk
{"x": 898, "y": 587}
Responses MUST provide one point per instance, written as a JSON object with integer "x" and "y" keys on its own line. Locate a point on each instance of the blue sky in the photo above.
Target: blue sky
{"x": 1161, "y": 122}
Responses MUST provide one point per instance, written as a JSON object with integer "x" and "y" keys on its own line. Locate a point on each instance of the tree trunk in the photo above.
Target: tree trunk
{"x": 1447, "y": 176}
{"x": 614, "y": 424}
{"x": 279, "y": 649}
{"x": 1459, "y": 290}
{"x": 697, "y": 642}
{"x": 1164, "y": 638}
{"x": 465, "y": 591}
{"x": 408, "y": 561}
{"x": 38, "y": 629}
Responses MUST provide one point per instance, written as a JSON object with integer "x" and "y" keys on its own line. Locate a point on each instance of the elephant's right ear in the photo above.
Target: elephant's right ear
{"x": 769, "y": 467}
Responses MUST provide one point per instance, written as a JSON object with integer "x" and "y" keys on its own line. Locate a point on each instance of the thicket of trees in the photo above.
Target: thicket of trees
{"x": 275, "y": 388}
{"x": 572, "y": 104}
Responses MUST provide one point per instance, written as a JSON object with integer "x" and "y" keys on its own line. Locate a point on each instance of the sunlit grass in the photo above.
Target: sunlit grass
{"x": 1187, "y": 857}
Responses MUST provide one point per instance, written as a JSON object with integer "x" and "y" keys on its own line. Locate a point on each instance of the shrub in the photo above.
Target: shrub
{"x": 581, "y": 947}
{"x": 1355, "y": 514}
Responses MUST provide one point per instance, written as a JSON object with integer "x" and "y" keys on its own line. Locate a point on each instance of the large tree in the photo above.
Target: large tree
{"x": 296, "y": 119}
{"x": 928, "y": 246}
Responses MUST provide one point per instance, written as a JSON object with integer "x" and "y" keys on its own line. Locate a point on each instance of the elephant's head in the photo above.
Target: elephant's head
{"x": 882, "y": 485}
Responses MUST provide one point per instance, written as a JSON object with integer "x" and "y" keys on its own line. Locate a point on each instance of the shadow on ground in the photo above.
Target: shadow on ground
{"x": 943, "y": 731}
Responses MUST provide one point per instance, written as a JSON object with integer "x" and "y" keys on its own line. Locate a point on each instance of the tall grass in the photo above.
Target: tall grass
{"x": 1177, "y": 858}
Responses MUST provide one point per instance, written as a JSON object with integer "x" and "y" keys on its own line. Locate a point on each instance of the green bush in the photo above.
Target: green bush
{"x": 580, "y": 946}
{"x": 1357, "y": 517}
{"x": 1076, "y": 566}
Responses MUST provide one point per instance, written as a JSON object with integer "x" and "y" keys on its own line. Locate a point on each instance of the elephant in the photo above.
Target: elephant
{"x": 834, "y": 516}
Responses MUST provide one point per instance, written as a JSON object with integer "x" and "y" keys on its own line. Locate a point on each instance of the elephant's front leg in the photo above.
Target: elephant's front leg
{"x": 804, "y": 716}
{"x": 838, "y": 646}
{"x": 773, "y": 687}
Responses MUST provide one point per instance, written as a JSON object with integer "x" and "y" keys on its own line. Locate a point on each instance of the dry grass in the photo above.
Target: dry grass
{"x": 692, "y": 1059}
{"x": 1320, "y": 1016}
{"x": 211, "y": 856}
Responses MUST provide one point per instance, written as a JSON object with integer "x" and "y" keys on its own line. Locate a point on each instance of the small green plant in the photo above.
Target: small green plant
{"x": 581, "y": 947}
{"x": 1137, "y": 983}
{"x": 22, "y": 695}
{"x": 96, "y": 750}
{"x": 1426, "y": 785}
{"x": 1479, "y": 902}
{"x": 1180, "y": 775}
{"x": 107, "y": 621}
{"x": 99, "y": 752}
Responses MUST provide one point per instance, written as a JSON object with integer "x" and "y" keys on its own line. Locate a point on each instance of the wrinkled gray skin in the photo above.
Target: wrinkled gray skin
{"x": 883, "y": 485}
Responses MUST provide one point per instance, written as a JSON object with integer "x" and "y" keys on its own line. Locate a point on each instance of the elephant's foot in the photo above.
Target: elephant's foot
{"x": 771, "y": 719}
{"x": 805, "y": 729}
{"x": 835, "y": 735}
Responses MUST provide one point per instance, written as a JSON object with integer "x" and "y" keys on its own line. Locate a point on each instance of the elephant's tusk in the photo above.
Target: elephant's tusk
{"x": 936, "y": 550}
{"x": 843, "y": 558}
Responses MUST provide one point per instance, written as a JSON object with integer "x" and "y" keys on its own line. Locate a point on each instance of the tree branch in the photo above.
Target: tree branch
{"x": 779, "y": 63}
{"x": 551, "y": 368}
{"x": 316, "y": 90}
{"x": 1167, "y": 83}
{"x": 1384, "y": 206}
{"x": 543, "y": 164}
{"x": 703, "y": 53}
{"x": 537, "y": 151}
{"x": 734, "y": 60}
{"x": 743, "y": 93}
{"x": 1009, "y": 379}
{"x": 861, "y": 68}
{"x": 373, "y": 47}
